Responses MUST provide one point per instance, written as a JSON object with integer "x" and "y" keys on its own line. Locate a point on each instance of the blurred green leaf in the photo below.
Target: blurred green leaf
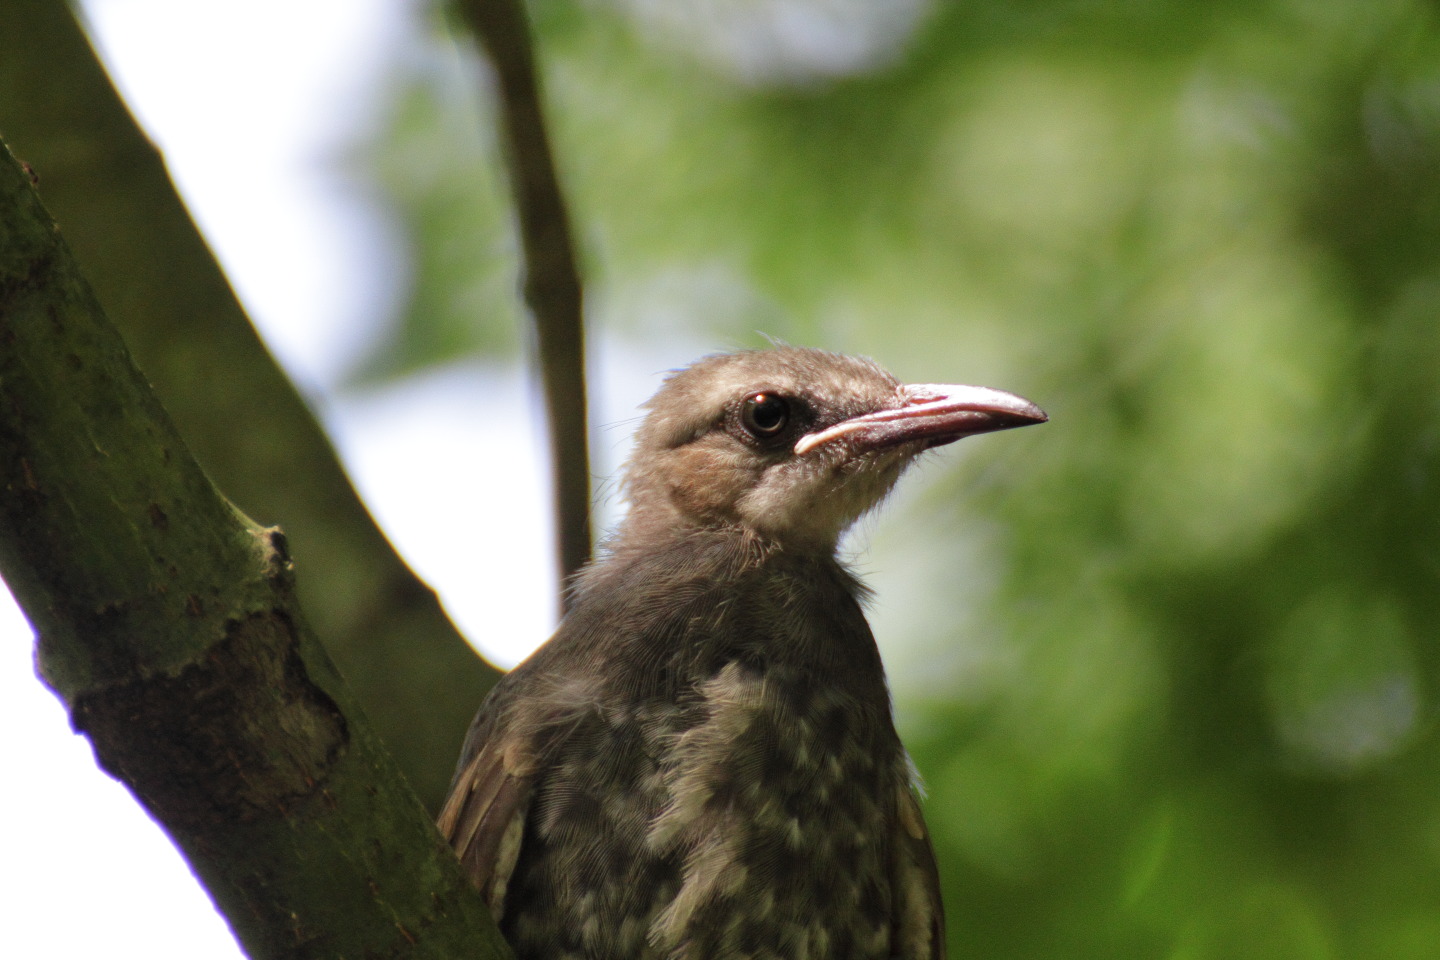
{"x": 435, "y": 165}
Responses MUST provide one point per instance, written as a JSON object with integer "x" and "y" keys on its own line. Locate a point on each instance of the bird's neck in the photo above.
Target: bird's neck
{"x": 696, "y": 599}
{"x": 658, "y": 526}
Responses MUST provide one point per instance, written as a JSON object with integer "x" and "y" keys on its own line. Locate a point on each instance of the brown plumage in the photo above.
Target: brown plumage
{"x": 701, "y": 763}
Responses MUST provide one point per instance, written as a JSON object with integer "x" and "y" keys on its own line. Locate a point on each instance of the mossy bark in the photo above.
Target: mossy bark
{"x": 107, "y": 186}
{"x": 167, "y": 622}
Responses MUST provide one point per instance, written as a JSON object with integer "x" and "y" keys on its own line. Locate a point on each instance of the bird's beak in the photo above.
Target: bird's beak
{"x": 935, "y": 413}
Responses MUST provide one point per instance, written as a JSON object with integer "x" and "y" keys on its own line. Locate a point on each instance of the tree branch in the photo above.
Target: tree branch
{"x": 552, "y": 280}
{"x": 107, "y": 184}
{"x": 166, "y": 622}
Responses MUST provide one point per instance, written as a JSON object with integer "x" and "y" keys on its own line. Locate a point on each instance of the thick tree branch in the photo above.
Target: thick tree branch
{"x": 108, "y": 187}
{"x": 552, "y": 280}
{"x": 166, "y": 622}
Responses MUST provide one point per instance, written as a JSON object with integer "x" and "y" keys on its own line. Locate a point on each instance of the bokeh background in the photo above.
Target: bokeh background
{"x": 1168, "y": 664}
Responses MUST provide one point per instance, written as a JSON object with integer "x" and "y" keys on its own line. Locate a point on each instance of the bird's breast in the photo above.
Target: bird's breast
{"x": 748, "y": 822}
{"x": 728, "y": 791}
{"x": 776, "y": 805}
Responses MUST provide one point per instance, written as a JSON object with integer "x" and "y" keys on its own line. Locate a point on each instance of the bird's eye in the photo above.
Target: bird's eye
{"x": 764, "y": 415}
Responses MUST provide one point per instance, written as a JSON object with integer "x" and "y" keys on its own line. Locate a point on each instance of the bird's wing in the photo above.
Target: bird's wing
{"x": 919, "y": 915}
{"x": 484, "y": 818}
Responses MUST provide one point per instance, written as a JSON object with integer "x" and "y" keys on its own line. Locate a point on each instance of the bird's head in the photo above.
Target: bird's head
{"x": 793, "y": 444}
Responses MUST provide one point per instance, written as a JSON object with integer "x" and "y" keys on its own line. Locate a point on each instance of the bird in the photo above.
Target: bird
{"x": 701, "y": 763}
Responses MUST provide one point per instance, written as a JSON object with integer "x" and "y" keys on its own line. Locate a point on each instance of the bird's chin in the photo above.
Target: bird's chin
{"x": 818, "y": 503}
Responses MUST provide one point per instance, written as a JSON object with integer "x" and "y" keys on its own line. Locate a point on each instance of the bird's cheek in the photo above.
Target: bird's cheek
{"x": 705, "y": 485}
{"x": 796, "y": 504}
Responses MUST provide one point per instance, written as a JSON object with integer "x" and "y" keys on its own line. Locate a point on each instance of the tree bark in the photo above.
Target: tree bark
{"x": 167, "y": 623}
{"x": 108, "y": 187}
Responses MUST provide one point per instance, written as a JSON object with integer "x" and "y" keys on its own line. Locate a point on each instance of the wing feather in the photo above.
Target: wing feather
{"x": 919, "y": 914}
{"x": 484, "y": 820}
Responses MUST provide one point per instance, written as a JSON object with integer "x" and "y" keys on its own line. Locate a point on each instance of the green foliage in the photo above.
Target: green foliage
{"x": 1191, "y": 709}
{"x": 436, "y": 168}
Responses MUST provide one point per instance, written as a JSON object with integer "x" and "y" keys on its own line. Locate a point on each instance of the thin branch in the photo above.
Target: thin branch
{"x": 552, "y": 280}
